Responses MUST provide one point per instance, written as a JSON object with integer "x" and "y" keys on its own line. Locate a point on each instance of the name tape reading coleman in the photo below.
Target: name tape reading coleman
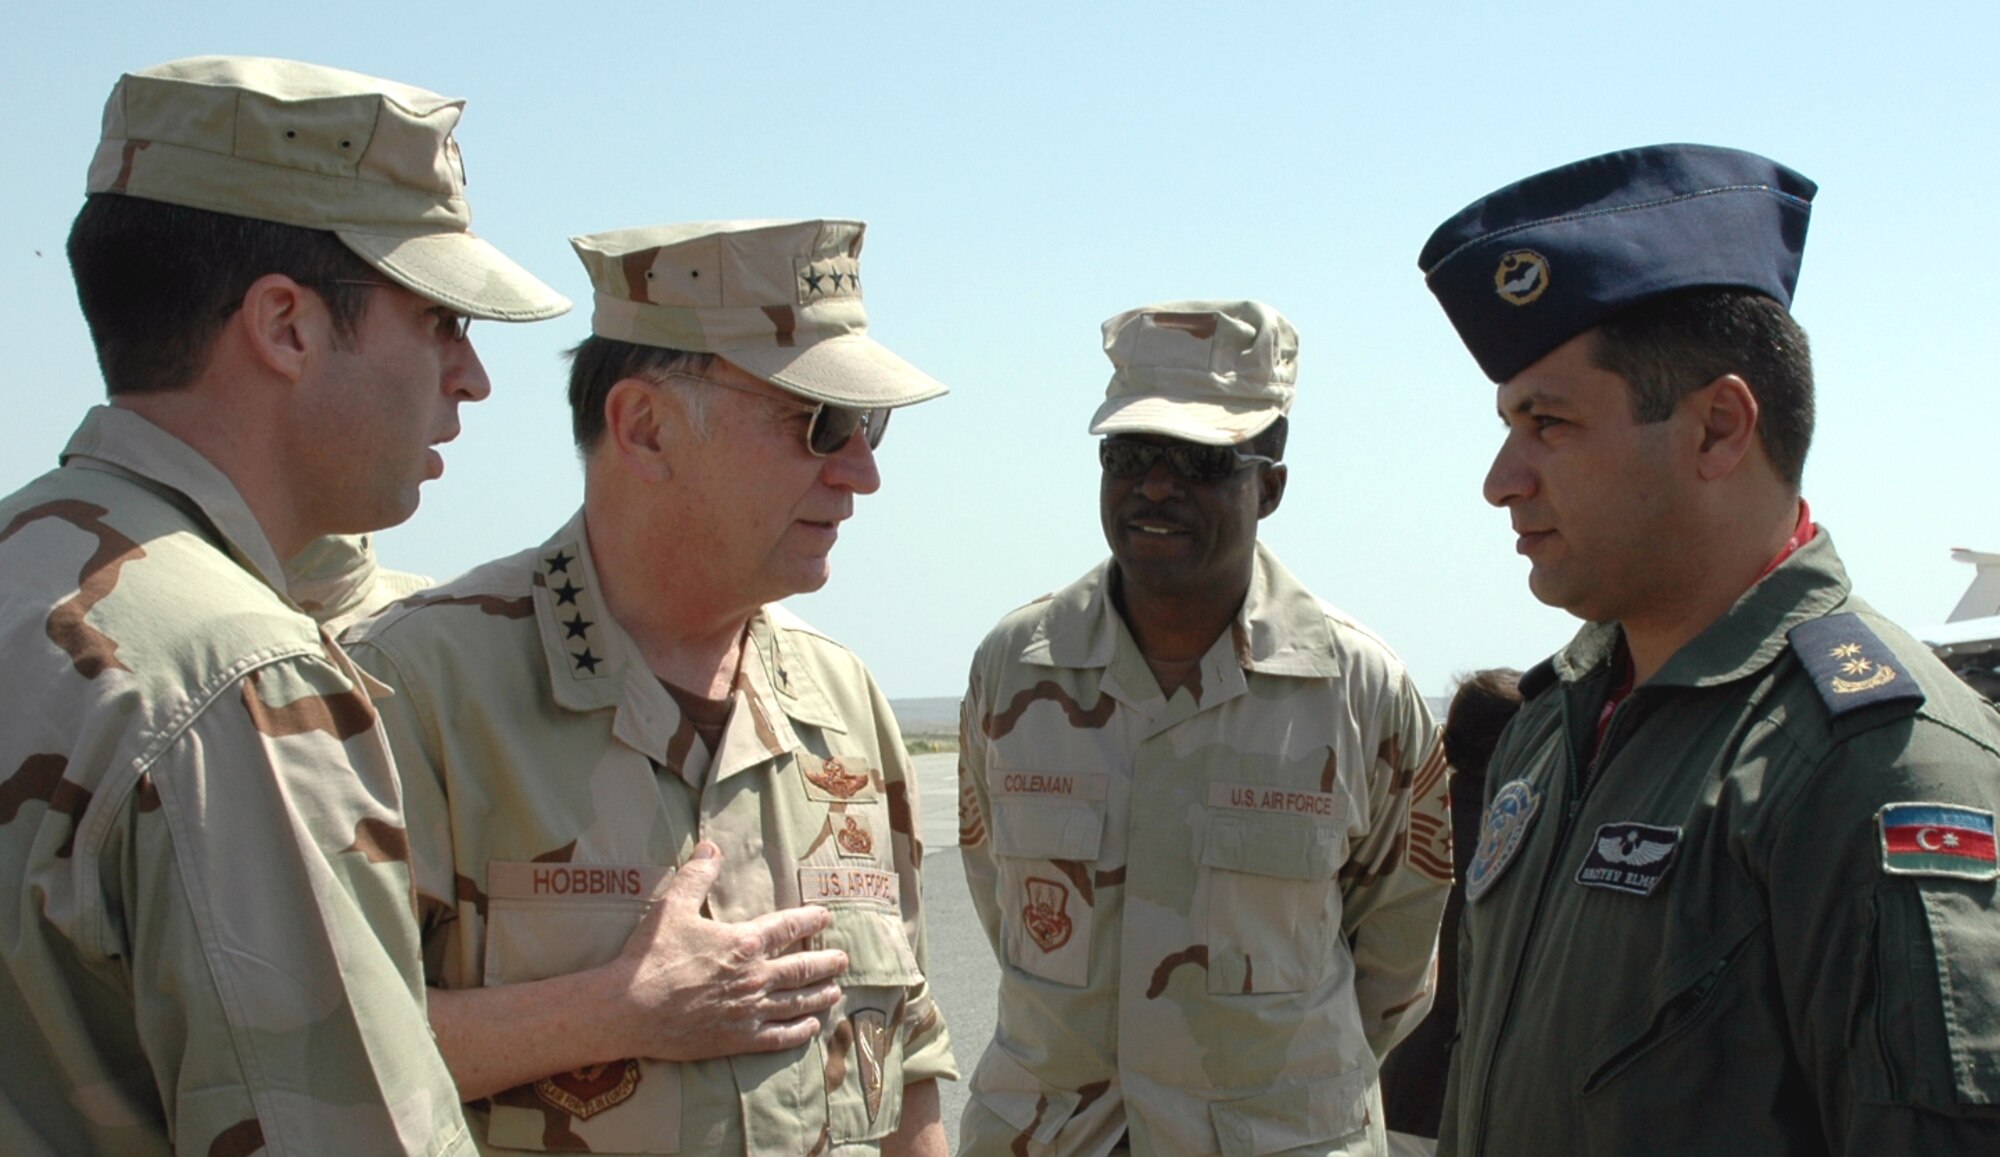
{"x": 517, "y": 881}
{"x": 1324, "y": 805}
{"x": 1070, "y": 785}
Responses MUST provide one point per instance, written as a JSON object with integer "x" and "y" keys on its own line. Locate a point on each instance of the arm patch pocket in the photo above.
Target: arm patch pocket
{"x": 1965, "y": 939}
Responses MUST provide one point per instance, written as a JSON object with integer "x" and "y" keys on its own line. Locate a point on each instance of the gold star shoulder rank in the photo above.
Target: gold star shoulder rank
{"x": 1851, "y": 666}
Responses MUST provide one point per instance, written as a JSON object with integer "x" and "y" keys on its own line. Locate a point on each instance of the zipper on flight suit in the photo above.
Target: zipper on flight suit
{"x": 1673, "y": 1016}
{"x": 1578, "y": 785}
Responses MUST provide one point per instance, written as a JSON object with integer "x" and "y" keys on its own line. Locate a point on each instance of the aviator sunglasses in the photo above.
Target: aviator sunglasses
{"x": 1125, "y": 458}
{"x": 831, "y": 428}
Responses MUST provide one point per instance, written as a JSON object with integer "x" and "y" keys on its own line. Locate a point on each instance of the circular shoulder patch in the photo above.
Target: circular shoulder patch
{"x": 1500, "y": 832}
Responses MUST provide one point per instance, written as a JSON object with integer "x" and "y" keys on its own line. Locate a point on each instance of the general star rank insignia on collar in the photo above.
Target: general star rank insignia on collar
{"x": 1629, "y": 857}
{"x": 1937, "y": 839}
{"x": 1501, "y": 831}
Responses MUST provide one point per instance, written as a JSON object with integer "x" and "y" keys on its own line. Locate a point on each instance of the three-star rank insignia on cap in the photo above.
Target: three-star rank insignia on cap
{"x": 1521, "y": 277}
{"x": 1629, "y": 857}
{"x": 1937, "y": 839}
{"x": 1501, "y": 831}
{"x": 561, "y": 574}
{"x": 824, "y": 278}
{"x": 1850, "y": 666}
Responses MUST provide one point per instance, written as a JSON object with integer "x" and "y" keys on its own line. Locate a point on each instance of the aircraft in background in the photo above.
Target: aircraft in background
{"x": 1969, "y": 640}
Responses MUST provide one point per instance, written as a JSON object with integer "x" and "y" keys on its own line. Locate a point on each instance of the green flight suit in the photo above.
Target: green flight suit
{"x": 1696, "y": 946}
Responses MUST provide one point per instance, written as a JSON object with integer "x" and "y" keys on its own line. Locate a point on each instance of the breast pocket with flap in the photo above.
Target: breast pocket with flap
{"x": 1048, "y": 829}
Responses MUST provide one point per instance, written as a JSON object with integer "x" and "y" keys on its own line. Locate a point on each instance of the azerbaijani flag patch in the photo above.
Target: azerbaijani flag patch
{"x": 1937, "y": 839}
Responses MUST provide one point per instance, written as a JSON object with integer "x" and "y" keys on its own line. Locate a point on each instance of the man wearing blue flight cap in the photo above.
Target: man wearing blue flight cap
{"x": 1735, "y": 886}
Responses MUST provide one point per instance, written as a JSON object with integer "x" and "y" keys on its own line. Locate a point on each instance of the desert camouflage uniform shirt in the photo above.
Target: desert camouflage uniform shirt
{"x": 553, "y": 781}
{"x": 1215, "y": 912}
{"x": 207, "y": 942}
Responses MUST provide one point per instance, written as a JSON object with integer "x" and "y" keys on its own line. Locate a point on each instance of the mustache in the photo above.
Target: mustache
{"x": 1153, "y": 512}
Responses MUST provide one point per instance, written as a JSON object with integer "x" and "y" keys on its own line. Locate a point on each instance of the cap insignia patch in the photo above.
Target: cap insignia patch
{"x": 1522, "y": 276}
{"x": 1501, "y": 831}
{"x": 1937, "y": 839}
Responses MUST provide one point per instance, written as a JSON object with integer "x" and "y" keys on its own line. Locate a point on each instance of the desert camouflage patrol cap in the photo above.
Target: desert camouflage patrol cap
{"x": 778, "y": 299}
{"x": 369, "y": 160}
{"x": 1216, "y": 372}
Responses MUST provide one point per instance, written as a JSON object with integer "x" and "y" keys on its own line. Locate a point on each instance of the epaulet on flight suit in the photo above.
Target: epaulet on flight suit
{"x": 1538, "y": 679}
{"x": 1853, "y": 669}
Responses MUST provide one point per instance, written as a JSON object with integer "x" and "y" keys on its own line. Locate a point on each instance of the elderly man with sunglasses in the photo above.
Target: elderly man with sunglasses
{"x": 664, "y": 833}
{"x": 1202, "y": 812}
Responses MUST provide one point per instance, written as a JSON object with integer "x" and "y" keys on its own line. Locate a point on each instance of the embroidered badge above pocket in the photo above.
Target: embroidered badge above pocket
{"x": 854, "y": 839}
{"x": 1629, "y": 857}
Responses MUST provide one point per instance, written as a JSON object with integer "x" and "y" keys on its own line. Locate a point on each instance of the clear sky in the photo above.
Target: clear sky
{"x": 1029, "y": 169}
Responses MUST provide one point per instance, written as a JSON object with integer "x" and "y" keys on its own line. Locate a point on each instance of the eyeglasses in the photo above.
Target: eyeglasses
{"x": 832, "y": 427}
{"x": 1127, "y": 458}
{"x": 451, "y": 324}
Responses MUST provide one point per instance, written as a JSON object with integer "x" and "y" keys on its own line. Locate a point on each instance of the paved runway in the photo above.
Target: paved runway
{"x": 962, "y": 972}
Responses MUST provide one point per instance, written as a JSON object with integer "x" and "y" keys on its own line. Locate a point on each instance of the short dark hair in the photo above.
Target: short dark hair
{"x": 598, "y": 363}
{"x": 157, "y": 281}
{"x": 1673, "y": 345}
{"x": 1480, "y": 710}
{"x": 1271, "y": 441}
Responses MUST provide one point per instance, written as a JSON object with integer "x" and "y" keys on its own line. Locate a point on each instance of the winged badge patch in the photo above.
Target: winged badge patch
{"x": 1629, "y": 857}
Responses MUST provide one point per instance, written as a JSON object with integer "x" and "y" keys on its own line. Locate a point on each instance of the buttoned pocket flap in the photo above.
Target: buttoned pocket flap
{"x": 1013, "y": 1094}
{"x": 1047, "y": 829}
{"x": 1271, "y": 845}
{"x": 878, "y": 953}
{"x": 1290, "y": 1118}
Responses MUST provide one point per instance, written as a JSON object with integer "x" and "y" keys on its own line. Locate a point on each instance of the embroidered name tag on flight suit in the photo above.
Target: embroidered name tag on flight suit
{"x": 1629, "y": 857}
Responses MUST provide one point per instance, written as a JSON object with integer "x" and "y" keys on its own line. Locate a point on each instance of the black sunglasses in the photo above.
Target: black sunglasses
{"x": 832, "y": 427}
{"x": 1126, "y": 458}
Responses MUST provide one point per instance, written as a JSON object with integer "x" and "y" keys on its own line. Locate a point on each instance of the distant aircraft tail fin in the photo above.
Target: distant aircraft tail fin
{"x": 1982, "y": 598}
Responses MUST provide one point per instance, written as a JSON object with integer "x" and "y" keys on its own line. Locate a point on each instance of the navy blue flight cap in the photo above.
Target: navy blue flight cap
{"x": 1522, "y": 270}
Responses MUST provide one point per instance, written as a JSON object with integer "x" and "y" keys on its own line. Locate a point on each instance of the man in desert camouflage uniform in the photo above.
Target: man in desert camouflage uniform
{"x": 208, "y": 945}
{"x": 621, "y": 714}
{"x": 1202, "y": 812}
